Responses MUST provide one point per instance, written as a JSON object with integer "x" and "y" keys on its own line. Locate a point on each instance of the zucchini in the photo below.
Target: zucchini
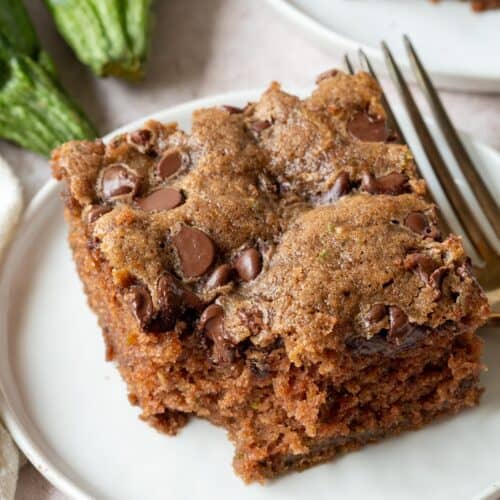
{"x": 109, "y": 36}
{"x": 35, "y": 112}
{"x": 16, "y": 31}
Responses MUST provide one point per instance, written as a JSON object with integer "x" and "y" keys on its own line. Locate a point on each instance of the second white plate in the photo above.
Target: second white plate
{"x": 68, "y": 411}
{"x": 459, "y": 47}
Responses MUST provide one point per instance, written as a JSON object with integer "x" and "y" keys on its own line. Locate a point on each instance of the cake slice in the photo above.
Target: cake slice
{"x": 278, "y": 272}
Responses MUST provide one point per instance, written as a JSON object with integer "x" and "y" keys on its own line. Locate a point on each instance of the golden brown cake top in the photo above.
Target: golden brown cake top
{"x": 294, "y": 221}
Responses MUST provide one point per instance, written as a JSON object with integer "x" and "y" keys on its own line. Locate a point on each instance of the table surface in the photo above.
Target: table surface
{"x": 203, "y": 47}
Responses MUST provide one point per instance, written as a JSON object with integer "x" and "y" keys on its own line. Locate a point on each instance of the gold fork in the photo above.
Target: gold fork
{"x": 488, "y": 274}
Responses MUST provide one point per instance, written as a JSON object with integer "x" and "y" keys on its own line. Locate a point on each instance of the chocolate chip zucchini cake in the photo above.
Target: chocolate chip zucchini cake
{"x": 277, "y": 271}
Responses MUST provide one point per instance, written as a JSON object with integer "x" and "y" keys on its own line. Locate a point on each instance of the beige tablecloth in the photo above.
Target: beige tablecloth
{"x": 202, "y": 47}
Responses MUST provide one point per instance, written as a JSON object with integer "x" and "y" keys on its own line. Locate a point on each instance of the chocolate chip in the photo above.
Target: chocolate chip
{"x": 417, "y": 222}
{"x": 232, "y": 109}
{"x": 424, "y": 264}
{"x": 249, "y": 264}
{"x": 212, "y": 311}
{"x": 142, "y": 306}
{"x": 118, "y": 181}
{"x": 327, "y": 74}
{"x": 369, "y": 184}
{"x": 436, "y": 280}
{"x": 368, "y": 128}
{"x": 170, "y": 302}
{"x": 376, "y": 313}
{"x": 382, "y": 344}
{"x": 97, "y": 211}
{"x": 398, "y": 323}
{"x": 173, "y": 301}
{"x": 141, "y": 139}
{"x": 168, "y": 165}
{"x": 212, "y": 324}
{"x": 221, "y": 276}
{"x": 402, "y": 333}
{"x": 260, "y": 125}
{"x": 341, "y": 187}
{"x": 394, "y": 183}
{"x": 196, "y": 251}
{"x": 161, "y": 199}
{"x": 191, "y": 300}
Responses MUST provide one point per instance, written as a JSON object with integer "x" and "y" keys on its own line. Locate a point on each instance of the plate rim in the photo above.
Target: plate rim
{"x": 22, "y": 435}
{"x": 465, "y": 81}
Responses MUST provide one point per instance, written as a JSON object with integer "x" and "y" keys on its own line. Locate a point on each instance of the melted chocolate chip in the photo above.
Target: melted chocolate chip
{"x": 341, "y": 187}
{"x": 436, "y": 280}
{"x": 141, "y": 139}
{"x": 118, "y": 181}
{"x": 399, "y": 324}
{"x": 424, "y": 265}
{"x": 381, "y": 344}
{"x": 212, "y": 311}
{"x": 327, "y": 74}
{"x": 173, "y": 302}
{"x": 196, "y": 251}
{"x": 232, "y": 109}
{"x": 369, "y": 184}
{"x": 170, "y": 303}
{"x": 368, "y": 128}
{"x": 221, "y": 276}
{"x": 161, "y": 199}
{"x": 97, "y": 211}
{"x": 402, "y": 333}
{"x": 168, "y": 165}
{"x": 260, "y": 125}
{"x": 394, "y": 183}
{"x": 376, "y": 313}
{"x": 142, "y": 306}
{"x": 249, "y": 264}
{"x": 418, "y": 223}
{"x": 212, "y": 324}
{"x": 191, "y": 300}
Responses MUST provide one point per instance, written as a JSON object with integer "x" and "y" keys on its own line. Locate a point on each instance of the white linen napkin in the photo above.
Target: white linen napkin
{"x": 11, "y": 203}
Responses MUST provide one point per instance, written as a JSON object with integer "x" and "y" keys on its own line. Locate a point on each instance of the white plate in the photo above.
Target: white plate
{"x": 67, "y": 408}
{"x": 459, "y": 47}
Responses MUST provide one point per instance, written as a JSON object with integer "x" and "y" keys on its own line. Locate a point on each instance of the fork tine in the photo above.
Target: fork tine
{"x": 482, "y": 193}
{"x": 393, "y": 123}
{"x": 348, "y": 64}
{"x": 459, "y": 205}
